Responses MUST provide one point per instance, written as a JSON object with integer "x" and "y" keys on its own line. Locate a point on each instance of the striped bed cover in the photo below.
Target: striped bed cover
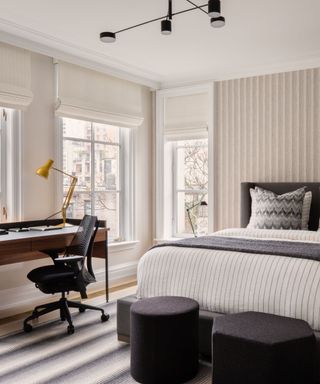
{"x": 231, "y": 282}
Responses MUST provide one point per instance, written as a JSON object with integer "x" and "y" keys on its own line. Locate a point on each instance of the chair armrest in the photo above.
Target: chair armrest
{"x": 67, "y": 259}
{"x": 70, "y": 261}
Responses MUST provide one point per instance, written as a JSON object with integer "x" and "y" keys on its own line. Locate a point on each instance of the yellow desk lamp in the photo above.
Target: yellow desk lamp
{"x": 44, "y": 172}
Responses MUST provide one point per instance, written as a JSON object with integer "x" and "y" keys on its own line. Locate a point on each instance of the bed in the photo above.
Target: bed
{"x": 229, "y": 280}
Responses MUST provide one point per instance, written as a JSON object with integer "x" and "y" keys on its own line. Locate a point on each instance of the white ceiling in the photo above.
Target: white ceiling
{"x": 260, "y": 36}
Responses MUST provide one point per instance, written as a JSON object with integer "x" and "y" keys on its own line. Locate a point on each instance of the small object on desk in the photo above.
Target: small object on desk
{"x": 43, "y": 228}
{"x": 19, "y": 229}
{"x": 3, "y": 232}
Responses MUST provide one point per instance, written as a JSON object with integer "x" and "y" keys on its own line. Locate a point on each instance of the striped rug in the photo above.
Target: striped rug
{"x": 92, "y": 355}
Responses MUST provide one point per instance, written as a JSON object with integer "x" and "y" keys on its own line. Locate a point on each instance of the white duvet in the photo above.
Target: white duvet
{"x": 230, "y": 282}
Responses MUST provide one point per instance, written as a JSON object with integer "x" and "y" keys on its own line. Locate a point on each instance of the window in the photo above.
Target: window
{"x": 10, "y": 165}
{"x": 96, "y": 153}
{"x": 190, "y": 184}
{"x": 3, "y": 167}
{"x": 184, "y": 161}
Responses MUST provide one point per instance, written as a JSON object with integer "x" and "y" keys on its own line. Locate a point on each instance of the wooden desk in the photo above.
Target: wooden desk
{"x": 25, "y": 246}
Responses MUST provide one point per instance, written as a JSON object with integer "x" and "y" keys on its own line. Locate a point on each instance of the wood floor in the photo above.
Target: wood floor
{"x": 14, "y": 323}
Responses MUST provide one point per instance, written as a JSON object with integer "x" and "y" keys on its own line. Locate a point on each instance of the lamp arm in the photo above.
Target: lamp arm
{"x": 69, "y": 193}
{"x": 195, "y": 205}
{"x": 49, "y": 217}
{"x": 64, "y": 173}
{"x": 192, "y": 227}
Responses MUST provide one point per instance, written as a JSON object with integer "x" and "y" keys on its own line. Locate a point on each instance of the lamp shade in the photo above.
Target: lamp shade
{"x": 108, "y": 37}
{"x": 166, "y": 27}
{"x": 44, "y": 170}
{"x": 218, "y": 22}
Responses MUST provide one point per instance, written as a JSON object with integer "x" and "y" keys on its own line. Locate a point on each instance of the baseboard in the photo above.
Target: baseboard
{"x": 22, "y": 298}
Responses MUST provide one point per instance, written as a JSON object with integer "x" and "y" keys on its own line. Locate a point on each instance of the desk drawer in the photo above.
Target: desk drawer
{"x": 51, "y": 242}
{"x": 10, "y": 247}
{"x": 21, "y": 257}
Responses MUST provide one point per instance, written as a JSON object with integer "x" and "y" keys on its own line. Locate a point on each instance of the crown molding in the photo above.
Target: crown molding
{"x": 38, "y": 42}
{"x": 297, "y": 64}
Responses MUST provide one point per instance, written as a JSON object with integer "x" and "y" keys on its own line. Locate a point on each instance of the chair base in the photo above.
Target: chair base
{"x": 63, "y": 306}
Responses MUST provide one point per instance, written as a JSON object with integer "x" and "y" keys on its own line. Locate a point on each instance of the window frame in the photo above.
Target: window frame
{"x": 126, "y": 166}
{"x": 11, "y": 165}
{"x": 176, "y": 191}
{"x": 163, "y": 189}
{"x": 3, "y": 164}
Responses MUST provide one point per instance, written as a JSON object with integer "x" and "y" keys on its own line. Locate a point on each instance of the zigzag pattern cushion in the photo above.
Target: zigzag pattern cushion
{"x": 272, "y": 211}
{"x": 306, "y": 210}
{"x": 305, "y": 207}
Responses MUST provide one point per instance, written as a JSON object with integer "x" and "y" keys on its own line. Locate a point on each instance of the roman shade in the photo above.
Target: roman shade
{"x": 15, "y": 77}
{"x": 186, "y": 117}
{"x": 90, "y": 95}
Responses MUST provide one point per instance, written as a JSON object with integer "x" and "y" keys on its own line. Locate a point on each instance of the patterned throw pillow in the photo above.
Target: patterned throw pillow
{"x": 306, "y": 210}
{"x": 272, "y": 211}
{"x": 305, "y": 207}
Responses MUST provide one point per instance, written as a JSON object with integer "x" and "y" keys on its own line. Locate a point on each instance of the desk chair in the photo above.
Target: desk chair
{"x": 72, "y": 272}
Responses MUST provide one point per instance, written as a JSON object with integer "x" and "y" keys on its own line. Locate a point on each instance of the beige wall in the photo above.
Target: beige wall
{"x": 38, "y": 141}
{"x": 38, "y": 195}
{"x": 267, "y": 128}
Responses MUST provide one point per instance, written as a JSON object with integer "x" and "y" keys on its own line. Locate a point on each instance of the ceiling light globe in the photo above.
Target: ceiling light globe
{"x": 107, "y": 37}
{"x": 166, "y": 27}
{"x": 214, "y": 8}
{"x": 218, "y": 22}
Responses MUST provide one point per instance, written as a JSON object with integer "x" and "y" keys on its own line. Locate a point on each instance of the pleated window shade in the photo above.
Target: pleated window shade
{"x": 90, "y": 95}
{"x": 15, "y": 77}
{"x": 186, "y": 117}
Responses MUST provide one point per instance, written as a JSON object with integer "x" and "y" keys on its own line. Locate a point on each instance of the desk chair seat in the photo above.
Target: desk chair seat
{"x": 72, "y": 272}
{"x": 53, "y": 278}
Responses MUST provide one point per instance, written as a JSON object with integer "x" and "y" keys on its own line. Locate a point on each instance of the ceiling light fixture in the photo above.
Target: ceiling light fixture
{"x": 166, "y": 27}
{"x": 214, "y": 8}
{"x": 214, "y": 11}
{"x": 218, "y": 22}
{"x": 108, "y": 37}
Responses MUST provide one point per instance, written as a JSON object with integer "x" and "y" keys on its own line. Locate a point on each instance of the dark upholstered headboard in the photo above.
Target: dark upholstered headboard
{"x": 280, "y": 188}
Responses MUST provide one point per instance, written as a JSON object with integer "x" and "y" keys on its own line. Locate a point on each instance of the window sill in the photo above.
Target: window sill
{"x": 122, "y": 246}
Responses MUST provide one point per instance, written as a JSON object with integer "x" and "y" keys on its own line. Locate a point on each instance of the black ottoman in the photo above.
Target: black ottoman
{"x": 252, "y": 348}
{"x": 164, "y": 340}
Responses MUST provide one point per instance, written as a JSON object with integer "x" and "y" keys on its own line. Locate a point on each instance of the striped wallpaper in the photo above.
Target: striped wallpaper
{"x": 267, "y": 128}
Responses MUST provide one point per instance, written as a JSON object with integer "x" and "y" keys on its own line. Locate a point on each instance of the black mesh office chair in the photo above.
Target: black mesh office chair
{"x": 72, "y": 272}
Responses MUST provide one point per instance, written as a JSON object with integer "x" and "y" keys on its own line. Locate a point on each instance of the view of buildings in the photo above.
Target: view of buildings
{"x": 91, "y": 152}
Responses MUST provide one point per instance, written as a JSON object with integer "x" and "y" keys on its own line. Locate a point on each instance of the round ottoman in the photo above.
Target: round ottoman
{"x": 164, "y": 340}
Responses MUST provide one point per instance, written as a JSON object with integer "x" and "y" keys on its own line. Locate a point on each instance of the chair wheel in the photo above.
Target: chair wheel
{"x": 27, "y": 328}
{"x": 81, "y": 310}
{"x": 70, "y": 329}
{"x": 104, "y": 318}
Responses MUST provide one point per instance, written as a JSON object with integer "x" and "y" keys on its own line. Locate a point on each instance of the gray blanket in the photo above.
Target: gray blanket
{"x": 265, "y": 247}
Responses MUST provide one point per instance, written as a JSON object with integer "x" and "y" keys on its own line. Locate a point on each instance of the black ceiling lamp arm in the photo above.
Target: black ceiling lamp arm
{"x": 170, "y": 10}
{"x": 197, "y": 6}
{"x": 162, "y": 17}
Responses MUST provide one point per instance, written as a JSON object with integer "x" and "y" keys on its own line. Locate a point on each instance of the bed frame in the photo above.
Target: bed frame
{"x": 205, "y": 317}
